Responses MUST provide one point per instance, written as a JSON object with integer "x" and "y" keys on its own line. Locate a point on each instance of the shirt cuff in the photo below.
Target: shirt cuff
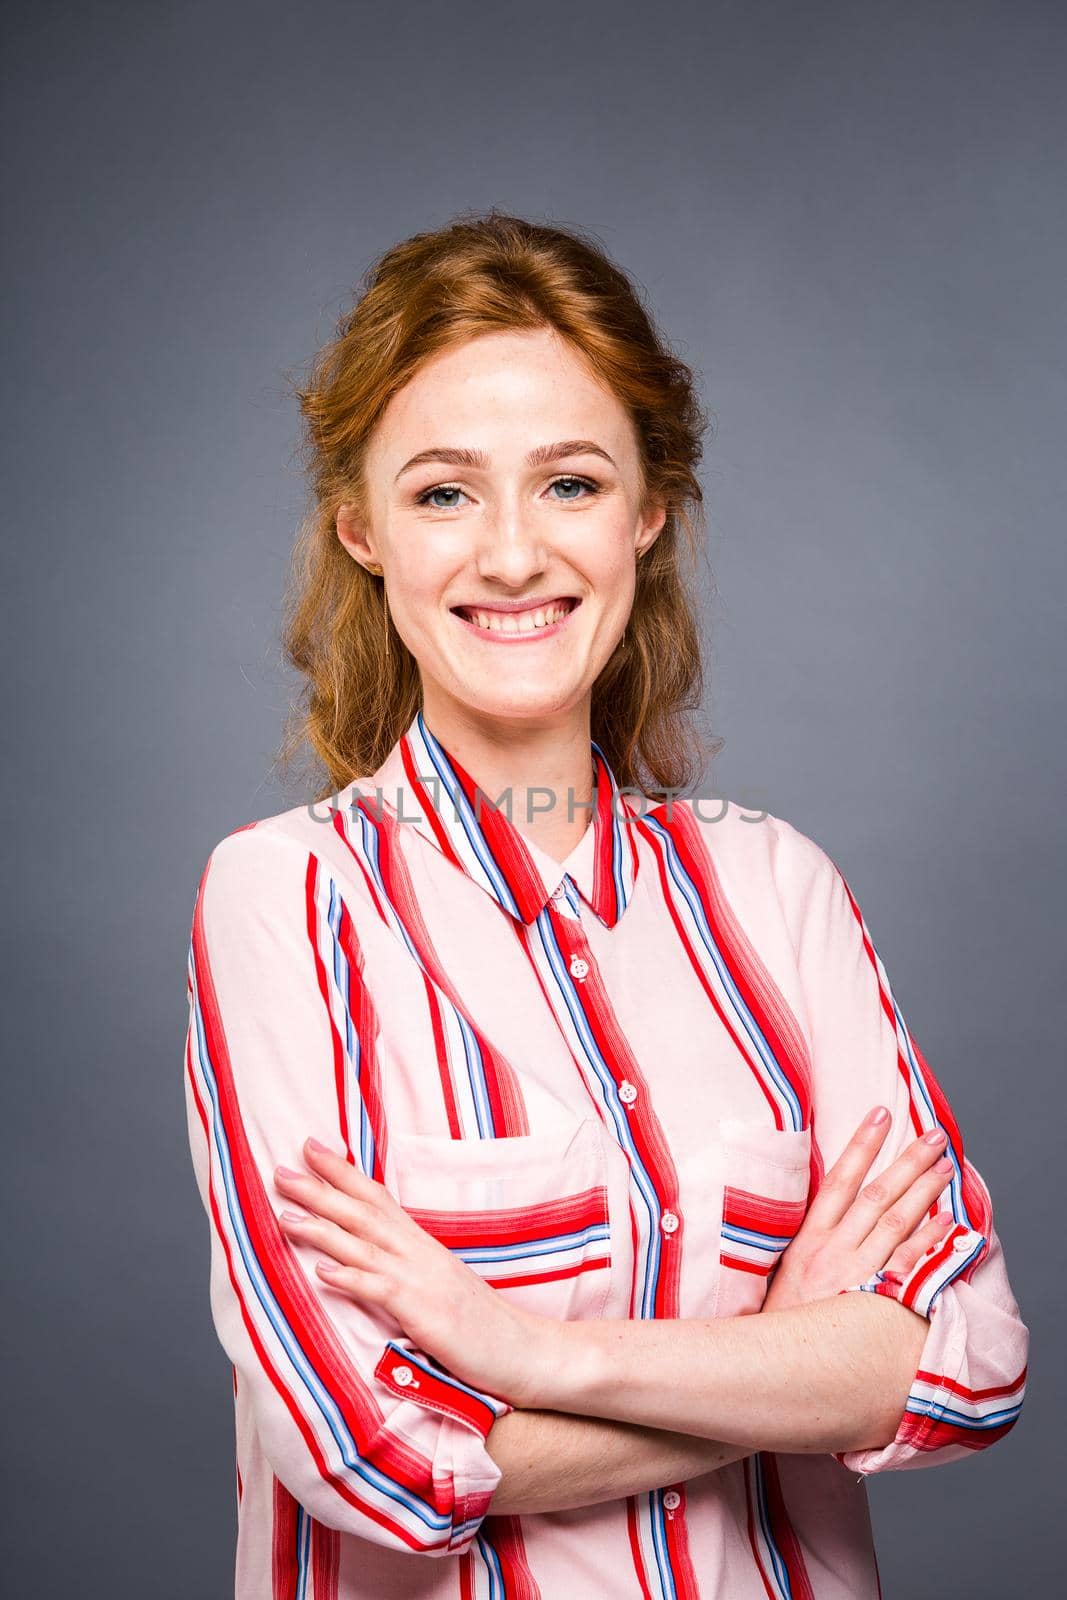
{"x": 933, "y": 1389}
{"x": 412, "y": 1375}
{"x": 920, "y": 1287}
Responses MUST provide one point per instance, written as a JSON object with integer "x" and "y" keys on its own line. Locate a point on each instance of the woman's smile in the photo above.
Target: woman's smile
{"x": 512, "y": 626}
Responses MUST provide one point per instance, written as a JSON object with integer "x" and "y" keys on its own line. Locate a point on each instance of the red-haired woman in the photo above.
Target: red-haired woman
{"x": 518, "y": 1082}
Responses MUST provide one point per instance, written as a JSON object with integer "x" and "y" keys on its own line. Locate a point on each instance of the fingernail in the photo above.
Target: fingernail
{"x": 878, "y": 1115}
{"x": 324, "y": 1149}
{"x": 294, "y": 1216}
{"x": 944, "y": 1165}
{"x": 935, "y": 1136}
{"x": 287, "y": 1172}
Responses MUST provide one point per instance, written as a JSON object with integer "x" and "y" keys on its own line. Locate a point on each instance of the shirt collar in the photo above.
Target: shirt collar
{"x": 426, "y": 788}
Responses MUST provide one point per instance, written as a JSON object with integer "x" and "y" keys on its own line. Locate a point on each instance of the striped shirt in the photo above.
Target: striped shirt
{"x": 612, "y": 1085}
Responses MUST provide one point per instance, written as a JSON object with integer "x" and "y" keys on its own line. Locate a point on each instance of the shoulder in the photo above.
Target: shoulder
{"x": 739, "y": 838}
{"x": 281, "y": 859}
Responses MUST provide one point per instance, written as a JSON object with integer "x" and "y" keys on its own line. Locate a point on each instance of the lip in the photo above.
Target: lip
{"x": 528, "y": 637}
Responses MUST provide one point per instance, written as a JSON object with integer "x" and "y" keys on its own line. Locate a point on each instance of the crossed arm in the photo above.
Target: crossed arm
{"x": 832, "y": 1375}
{"x": 607, "y": 1408}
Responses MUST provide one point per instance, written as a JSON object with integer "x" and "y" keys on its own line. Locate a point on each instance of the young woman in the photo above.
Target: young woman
{"x": 546, "y": 1120}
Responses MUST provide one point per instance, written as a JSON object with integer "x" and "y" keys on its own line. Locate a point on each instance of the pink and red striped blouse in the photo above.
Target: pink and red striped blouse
{"x": 612, "y": 1085}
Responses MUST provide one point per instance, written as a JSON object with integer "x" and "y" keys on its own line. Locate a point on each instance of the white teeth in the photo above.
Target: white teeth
{"x": 515, "y": 622}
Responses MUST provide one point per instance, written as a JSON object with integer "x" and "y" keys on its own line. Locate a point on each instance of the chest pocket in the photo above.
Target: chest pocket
{"x": 765, "y": 1190}
{"x": 529, "y": 1214}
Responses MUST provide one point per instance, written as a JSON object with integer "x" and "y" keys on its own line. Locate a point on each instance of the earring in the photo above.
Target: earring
{"x": 377, "y": 571}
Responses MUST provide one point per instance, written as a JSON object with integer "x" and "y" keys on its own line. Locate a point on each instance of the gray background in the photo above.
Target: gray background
{"x": 849, "y": 219}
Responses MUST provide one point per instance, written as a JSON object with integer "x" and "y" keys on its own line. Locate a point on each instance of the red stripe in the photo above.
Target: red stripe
{"x": 365, "y": 1023}
{"x": 550, "y": 1275}
{"x": 507, "y": 1106}
{"x": 750, "y": 1466}
{"x": 976, "y": 1204}
{"x": 432, "y": 1389}
{"x": 758, "y": 1269}
{"x": 782, "y": 1532}
{"x": 997, "y": 1391}
{"x": 762, "y": 1213}
{"x": 325, "y": 1561}
{"x": 395, "y": 1458}
{"x": 425, "y": 795}
{"x": 284, "y": 1568}
{"x": 505, "y": 844}
{"x": 515, "y": 1225}
{"x": 761, "y": 996}
{"x": 503, "y": 1534}
{"x": 655, "y": 1156}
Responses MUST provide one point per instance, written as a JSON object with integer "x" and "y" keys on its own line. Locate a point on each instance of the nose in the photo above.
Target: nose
{"x": 511, "y": 547}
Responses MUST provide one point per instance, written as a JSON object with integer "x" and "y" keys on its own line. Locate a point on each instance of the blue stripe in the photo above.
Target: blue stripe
{"x": 303, "y": 1552}
{"x": 762, "y": 1241}
{"x": 342, "y": 977}
{"x": 437, "y": 1521}
{"x": 471, "y": 828}
{"x": 493, "y": 1569}
{"x": 638, "y": 1173}
{"x": 416, "y": 1358}
{"x": 780, "y": 1572}
{"x": 932, "y": 1408}
{"x": 521, "y": 1252}
{"x": 686, "y": 887}
{"x": 955, "y": 1186}
{"x": 473, "y": 1057}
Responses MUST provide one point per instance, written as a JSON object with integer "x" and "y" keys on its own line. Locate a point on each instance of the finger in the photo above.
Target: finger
{"x": 841, "y": 1182}
{"x": 906, "y": 1255}
{"x": 898, "y": 1221}
{"x": 347, "y": 1248}
{"x": 888, "y": 1190}
{"x": 368, "y": 1288}
{"x": 344, "y": 1175}
{"x": 318, "y": 1195}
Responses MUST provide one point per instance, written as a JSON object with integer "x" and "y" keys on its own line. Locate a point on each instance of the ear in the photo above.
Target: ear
{"x": 350, "y": 531}
{"x": 650, "y": 527}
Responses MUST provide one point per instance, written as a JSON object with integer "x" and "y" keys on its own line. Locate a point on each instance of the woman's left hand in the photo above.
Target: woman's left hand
{"x": 384, "y": 1258}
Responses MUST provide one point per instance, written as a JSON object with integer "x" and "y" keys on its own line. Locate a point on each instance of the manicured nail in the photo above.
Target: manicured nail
{"x": 287, "y": 1172}
{"x": 935, "y": 1136}
{"x": 878, "y": 1115}
{"x": 323, "y": 1149}
{"x": 294, "y": 1216}
{"x": 944, "y": 1165}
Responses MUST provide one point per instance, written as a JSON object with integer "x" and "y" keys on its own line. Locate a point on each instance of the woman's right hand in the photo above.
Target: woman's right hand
{"x": 850, "y": 1232}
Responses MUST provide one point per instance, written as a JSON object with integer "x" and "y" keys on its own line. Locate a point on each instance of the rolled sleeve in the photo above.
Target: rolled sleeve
{"x": 968, "y": 1388}
{"x": 366, "y": 1432}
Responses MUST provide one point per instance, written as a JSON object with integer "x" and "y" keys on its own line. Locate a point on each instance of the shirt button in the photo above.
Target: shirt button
{"x": 579, "y": 968}
{"x": 402, "y": 1376}
{"x": 627, "y": 1092}
{"x": 962, "y": 1243}
{"x": 668, "y": 1222}
{"x": 559, "y": 893}
{"x": 672, "y": 1499}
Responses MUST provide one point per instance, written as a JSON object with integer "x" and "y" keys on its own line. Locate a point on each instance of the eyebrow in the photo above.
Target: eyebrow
{"x": 457, "y": 457}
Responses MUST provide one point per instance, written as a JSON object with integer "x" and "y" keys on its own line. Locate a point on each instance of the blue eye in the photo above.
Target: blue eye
{"x": 426, "y": 498}
{"x": 582, "y": 483}
{"x": 442, "y": 488}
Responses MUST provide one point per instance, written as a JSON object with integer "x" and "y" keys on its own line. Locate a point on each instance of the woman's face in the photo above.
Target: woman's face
{"x": 504, "y": 491}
